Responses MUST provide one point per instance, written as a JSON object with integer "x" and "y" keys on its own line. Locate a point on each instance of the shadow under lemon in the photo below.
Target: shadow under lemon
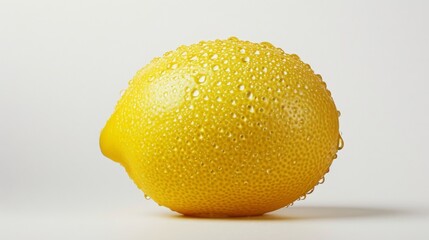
{"x": 316, "y": 213}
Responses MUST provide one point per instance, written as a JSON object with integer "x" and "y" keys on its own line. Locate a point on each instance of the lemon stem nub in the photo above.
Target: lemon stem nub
{"x": 109, "y": 144}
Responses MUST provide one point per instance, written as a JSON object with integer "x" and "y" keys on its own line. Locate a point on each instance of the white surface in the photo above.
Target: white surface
{"x": 63, "y": 64}
{"x": 147, "y": 222}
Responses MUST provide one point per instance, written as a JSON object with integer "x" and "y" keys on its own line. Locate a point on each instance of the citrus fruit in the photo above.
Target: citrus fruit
{"x": 224, "y": 128}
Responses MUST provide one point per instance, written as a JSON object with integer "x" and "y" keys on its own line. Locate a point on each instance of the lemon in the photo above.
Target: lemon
{"x": 224, "y": 128}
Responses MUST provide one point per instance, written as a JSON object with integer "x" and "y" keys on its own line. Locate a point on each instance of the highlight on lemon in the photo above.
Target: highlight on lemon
{"x": 224, "y": 128}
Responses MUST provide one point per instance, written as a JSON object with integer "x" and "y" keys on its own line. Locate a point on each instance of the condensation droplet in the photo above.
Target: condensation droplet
{"x": 295, "y": 57}
{"x": 219, "y": 99}
{"x": 194, "y": 58}
{"x": 241, "y": 87}
{"x": 174, "y": 66}
{"x": 340, "y": 143}
{"x": 233, "y": 39}
{"x": 311, "y": 191}
{"x": 322, "y": 180}
{"x": 215, "y": 56}
{"x": 250, "y": 95}
{"x": 267, "y": 44}
{"x": 195, "y": 93}
{"x": 339, "y": 113}
{"x": 201, "y": 79}
{"x": 146, "y": 196}
{"x": 303, "y": 197}
{"x": 257, "y": 52}
{"x": 168, "y": 54}
{"x": 215, "y": 67}
{"x": 242, "y": 51}
{"x": 246, "y": 59}
{"x": 220, "y": 129}
{"x": 268, "y": 171}
{"x": 285, "y": 72}
{"x": 251, "y": 109}
{"x": 233, "y": 102}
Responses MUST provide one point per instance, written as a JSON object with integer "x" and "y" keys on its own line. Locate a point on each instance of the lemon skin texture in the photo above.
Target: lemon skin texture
{"x": 224, "y": 128}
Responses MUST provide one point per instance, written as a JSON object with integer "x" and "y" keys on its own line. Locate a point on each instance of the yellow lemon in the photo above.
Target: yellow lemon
{"x": 224, "y": 128}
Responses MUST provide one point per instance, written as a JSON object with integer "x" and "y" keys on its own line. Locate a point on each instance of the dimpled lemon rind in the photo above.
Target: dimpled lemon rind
{"x": 224, "y": 128}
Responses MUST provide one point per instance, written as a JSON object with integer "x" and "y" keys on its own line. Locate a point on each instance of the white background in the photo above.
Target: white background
{"x": 64, "y": 63}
